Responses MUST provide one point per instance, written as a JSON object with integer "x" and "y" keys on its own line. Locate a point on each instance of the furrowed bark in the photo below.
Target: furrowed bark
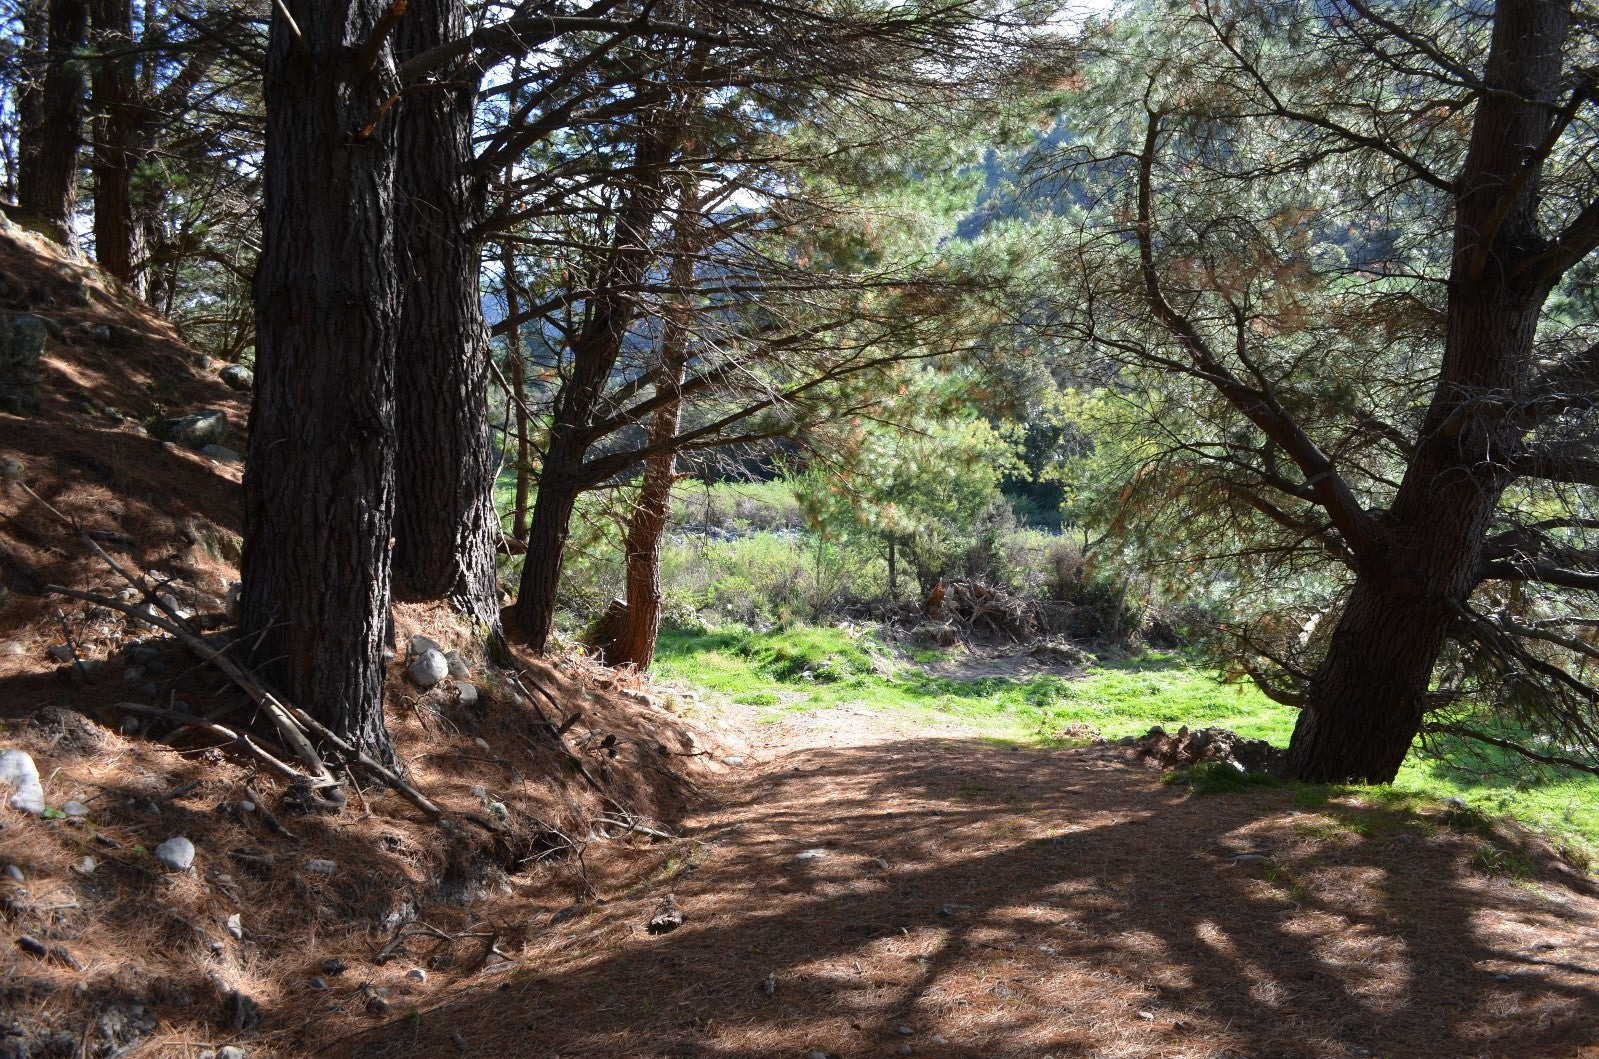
{"x": 319, "y": 481}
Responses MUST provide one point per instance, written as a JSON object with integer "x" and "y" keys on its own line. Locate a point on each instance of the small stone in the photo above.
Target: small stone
{"x": 231, "y": 1052}
{"x": 177, "y": 854}
{"x": 427, "y": 669}
{"x": 905, "y": 1049}
{"x": 247, "y": 806}
{"x": 12, "y": 469}
{"x": 879, "y": 863}
{"x": 18, "y": 769}
{"x": 938, "y": 1038}
{"x": 13, "y": 873}
{"x": 1147, "y": 1016}
{"x": 377, "y": 1005}
{"x": 237, "y": 377}
{"x": 319, "y": 983}
{"x": 735, "y": 761}
{"x": 75, "y": 809}
{"x": 817, "y": 1053}
{"x": 85, "y": 866}
{"x": 220, "y": 453}
{"x": 416, "y": 974}
{"x": 468, "y": 694}
{"x": 236, "y": 927}
{"x": 458, "y": 667}
{"x": 334, "y": 966}
{"x": 420, "y": 644}
{"x": 905, "y": 1031}
{"x": 769, "y": 984}
{"x": 481, "y": 743}
{"x": 60, "y": 653}
{"x": 321, "y": 867}
{"x": 810, "y": 854}
{"x": 460, "y": 1043}
{"x": 1501, "y": 978}
{"x": 100, "y": 333}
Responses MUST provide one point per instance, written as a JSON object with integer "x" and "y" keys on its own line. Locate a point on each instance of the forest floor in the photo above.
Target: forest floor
{"x": 866, "y": 886}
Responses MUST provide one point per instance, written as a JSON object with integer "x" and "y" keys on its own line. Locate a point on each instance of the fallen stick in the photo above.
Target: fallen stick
{"x": 239, "y": 739}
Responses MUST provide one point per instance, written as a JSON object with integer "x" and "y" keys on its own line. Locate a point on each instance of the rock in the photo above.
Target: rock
{"x": 221, "y": 453}
{"x": 468, "y": 693}
{"x": 905, "y": 1031}
{"x": 85, "y": 865}
{"x": 458, "y": 667}
{"x": 318, "y": 983}
{"x": 735, "y": 761}
{"x": 769, "y": 984}
{"x": 935, "y": 634}
{"x": 427, "y": 669}
{"x": 75, "y": 809}
{"x": 100, "y": 333}
{"x": 236, "y": 926}
{"x": 242, "y": 1011}
{"x": 18, "y": 769}
{"x": 60, "y": 653}
{"x": 420, "y": 643}
{"x": 237, "y": 377}
{"x": 460, "y": 1043}
{"x": 1147, "y": 1016}
{"x": 13, "y": 873}
{"x": 12, "y": 469}
{"x": 196, "y": 430}
{"x": 176, "y": 854}
{"x": 321, "y": 867}
{"x": 667, "y": 918}
{"x": 416, "y": 974}
{"x": 231, "y": 1052}
{"x": 817, "y": 1053}
{"x": 879, "y": 863}
{"x": 29, "y": 336}
{"x": 810, "y": 854}
{"x": 905, "y": 1049}
{"x": 334, "y": 966}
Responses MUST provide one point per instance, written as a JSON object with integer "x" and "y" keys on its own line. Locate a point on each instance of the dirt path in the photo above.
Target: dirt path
{"x": 868, "y": 890}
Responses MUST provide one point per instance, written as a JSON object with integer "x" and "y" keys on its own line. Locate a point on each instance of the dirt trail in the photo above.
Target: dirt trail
{"x": 866, "y": 889}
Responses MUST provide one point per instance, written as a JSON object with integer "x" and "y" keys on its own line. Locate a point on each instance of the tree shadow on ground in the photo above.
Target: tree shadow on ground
{"x": 1042, "y": 903}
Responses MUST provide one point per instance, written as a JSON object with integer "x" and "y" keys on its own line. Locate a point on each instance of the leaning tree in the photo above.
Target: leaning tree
{"x": 1343, "y": 252}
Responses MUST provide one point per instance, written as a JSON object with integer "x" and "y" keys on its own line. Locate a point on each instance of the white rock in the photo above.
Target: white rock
{"x": 416, "y": 974}
{"x": 236, "y": 926}
{"x": 458, "y": 667}
{"x": 75, "y": 809}
{"x": 321, "y": 867}
{"x": 420, "y": 644}
{"x": 14, "y": 873}
{"x": 176, "y": 853}
{"x": 427, "y": 669}
{"x": 468, "y": 693}
{"x": 18, "y": 769}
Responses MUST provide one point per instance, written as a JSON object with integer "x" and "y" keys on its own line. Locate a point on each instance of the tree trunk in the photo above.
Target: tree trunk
{"x": 594, "y": 351}
{"x": 118, "y": 230}
{"x": 445, "y": 524}
{"x": 319, "y": 481}
{"x": 516, "y": 370}
{"x": 47, "y": 180}
{"x": 641, "y": 622}
{"x": 34, "y": 18}
{"x": 534, "y": 615}
{"x": 1368, "y": 698}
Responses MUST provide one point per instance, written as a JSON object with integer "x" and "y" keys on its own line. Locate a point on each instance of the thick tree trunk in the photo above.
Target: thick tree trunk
{"x": 47, "y": 180}
{"x": 641, "y": 621}
{"x": 445, "y": 525}
{"x": 1368, "y": 698}
{"x": 319, "y": 481}
{"x": 118, "y": 230}
{"x": 34, "y": 18}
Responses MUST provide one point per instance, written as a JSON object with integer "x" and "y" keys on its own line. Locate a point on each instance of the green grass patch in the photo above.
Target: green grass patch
{"x": 804, "y": 667}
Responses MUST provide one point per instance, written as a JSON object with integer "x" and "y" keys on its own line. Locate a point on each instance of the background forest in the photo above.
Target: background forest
{"x": 1259, "y": 331}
